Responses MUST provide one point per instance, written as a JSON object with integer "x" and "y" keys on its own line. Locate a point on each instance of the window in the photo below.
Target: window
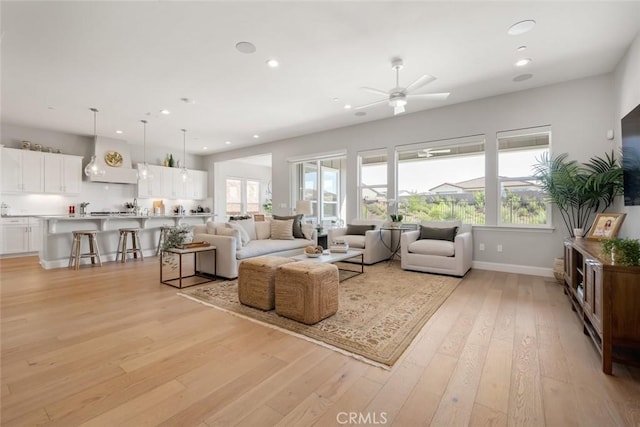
{"x": 323, "y": 189}
{"x": 442, "y": 180}
{"x": 372, "y": 184}
{"x": 242, "y": 196}
{"x": 522, "y": 202}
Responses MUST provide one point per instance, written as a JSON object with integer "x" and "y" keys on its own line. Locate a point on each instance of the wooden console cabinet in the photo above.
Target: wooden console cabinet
{"x": 606, "y": 297}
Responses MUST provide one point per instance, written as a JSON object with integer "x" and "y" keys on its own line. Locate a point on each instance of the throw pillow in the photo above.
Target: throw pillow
{"x": 297, "y": 224}
{"x": 307, "y": 231}
{"x": 249, "y": 226}
{"x": 359, "y": 230}
{"x": 244, "y": 236}
{"x": 211, "y": 227}
{"x": 282, "y": 229}
{"x": 225, "y": 231}
{"x": 263, "y": 230}
{"x": 431, "y": 233}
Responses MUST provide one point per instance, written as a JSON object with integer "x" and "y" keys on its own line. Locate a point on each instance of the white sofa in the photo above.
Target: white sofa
{"x": 230, "y": 250}
{"x": 438, "y": 256}
{"x": 374, "y": 247}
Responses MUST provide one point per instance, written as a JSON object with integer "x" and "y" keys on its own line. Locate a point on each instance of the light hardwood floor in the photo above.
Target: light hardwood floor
{"x": 111, "y": 346}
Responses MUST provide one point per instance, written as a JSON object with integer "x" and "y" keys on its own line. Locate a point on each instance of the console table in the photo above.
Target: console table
{"x": 186, "y": 251}
{"x": 606, "y": 297}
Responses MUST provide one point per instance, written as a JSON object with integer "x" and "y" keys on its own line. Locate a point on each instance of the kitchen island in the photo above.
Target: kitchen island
{"x": 56, "y": 233}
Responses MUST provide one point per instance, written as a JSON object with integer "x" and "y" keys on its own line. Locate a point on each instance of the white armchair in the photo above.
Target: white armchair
{"x": 371, "y": 241}
{"x": 438, "y": 256}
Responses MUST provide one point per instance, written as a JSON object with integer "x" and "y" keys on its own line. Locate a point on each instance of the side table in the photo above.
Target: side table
{"x": 394, "y": 245}
{"x": 322, "y": 240}
{"x": 196, "y": 273}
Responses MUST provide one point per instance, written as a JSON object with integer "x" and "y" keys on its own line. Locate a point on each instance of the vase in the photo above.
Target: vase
{"x": 396, "y": 224}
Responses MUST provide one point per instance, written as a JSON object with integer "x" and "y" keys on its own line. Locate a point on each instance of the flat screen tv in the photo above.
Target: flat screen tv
{"x": 631, "y": 157}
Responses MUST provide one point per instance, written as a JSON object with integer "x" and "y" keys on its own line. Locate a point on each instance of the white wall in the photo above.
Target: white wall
{"x": 627, "y": 92}
{"x": 101, "y": 196}
{"x": 580, "y": 113}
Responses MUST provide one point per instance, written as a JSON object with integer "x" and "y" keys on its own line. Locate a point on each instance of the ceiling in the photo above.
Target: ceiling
{"x": 132, "y": 59}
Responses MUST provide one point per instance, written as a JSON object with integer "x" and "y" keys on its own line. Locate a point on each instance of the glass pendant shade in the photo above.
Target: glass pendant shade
{"x": 143, "y": 170}
{"x": 93, "y": 168}
{"x": 184, "y": 173}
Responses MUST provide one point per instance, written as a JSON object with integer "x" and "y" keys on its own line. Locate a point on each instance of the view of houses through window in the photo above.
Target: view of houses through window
{"x": 319, "y": 181}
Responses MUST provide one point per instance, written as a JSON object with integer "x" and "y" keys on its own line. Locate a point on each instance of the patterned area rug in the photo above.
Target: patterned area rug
{"x": 380, "y": 312}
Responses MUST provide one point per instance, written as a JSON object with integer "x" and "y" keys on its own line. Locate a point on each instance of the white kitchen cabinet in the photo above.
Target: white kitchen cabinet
{"x": 196, "y": 187}
{"x": 151, "y": 187}
{"x": 62, "y": 174}
{"x": 20, "y": 235}
{"x": 22, "y": 171}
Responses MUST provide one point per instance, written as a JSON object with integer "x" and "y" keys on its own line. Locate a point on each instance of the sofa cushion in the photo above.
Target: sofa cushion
{"x": 297, "y": 224}
{"x": 270, "y": 246}
{"x": 282, "y": 229}
{"x": 358, "y": 229}
{"x": 232, "y": 232}
{"x": 249, "y": 226}
{"x": 431, "y": 233}
{"x": 354, "y": 241}
{"x": 211, "y": 227}
{"x": 263, "y": 230}
{"x": 307, "y": 231}
{"x": 244, "y": 236}
{"x": 432, "y": 247}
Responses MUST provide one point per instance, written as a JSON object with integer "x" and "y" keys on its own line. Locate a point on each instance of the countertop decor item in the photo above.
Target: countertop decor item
{"x": 113, "y": 159}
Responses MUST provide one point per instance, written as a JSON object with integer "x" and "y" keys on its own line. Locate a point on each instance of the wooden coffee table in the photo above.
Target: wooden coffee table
{"x": 331, "y": 257}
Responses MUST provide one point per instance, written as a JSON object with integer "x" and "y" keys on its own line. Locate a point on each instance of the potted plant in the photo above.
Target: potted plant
{"x": 174, "y": 238}
{"x": 579, "y": 190}
{"x": 622, "y": 251}
{"x": 396, "y": 219}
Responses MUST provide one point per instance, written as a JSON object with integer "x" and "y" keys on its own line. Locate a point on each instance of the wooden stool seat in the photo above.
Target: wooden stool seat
{"x": 76, "y": 255}
{"x": 136, "y": 247}
{"x": 163, "y": 234}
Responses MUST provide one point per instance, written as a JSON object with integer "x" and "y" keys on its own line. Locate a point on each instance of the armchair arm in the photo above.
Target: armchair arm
{"x": 226, "y": 262}
{"x": 464, "y": 250}
{"x": 406, "y": 239}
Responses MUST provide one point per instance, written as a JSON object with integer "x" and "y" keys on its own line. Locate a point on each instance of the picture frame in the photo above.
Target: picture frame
{"x": 606, "y": 226}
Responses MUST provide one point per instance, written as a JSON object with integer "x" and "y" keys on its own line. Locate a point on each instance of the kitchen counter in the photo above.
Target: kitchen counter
{"x": 57, "y": 233}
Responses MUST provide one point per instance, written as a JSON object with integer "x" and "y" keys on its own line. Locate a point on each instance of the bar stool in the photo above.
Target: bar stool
{"x": 136, "y": 247}
{"x": 164, "y": 230}
{"x": 94, "y": 252}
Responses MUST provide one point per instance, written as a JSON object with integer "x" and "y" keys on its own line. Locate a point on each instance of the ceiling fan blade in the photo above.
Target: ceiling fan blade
{"x": 382, "y": 101}
{"x": 399, "y": 109}
{"x": 442, "y": 95}
{"x": 376, "y": 91}
{"x": 421, "y": 81}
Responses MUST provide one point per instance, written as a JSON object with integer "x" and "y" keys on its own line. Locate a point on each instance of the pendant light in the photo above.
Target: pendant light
{"x": 93, "y": 168}
{"x": 143, "y": 170}
{"x": 184, "y": 173}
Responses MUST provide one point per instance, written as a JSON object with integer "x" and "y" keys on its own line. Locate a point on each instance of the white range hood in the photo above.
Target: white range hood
{"x": 119, "y": 172}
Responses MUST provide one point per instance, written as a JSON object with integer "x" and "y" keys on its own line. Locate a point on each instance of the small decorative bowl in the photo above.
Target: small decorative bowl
{"x": 312, "y": 255}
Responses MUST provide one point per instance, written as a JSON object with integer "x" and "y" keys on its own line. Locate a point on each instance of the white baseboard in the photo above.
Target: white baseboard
{"x": 513, "y": 268}
{"x": 60, "y": 263}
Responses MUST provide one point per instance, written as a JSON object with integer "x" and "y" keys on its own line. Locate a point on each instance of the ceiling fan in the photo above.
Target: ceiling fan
{"x": 429, "y": 152}
{"x": 397, "y": 97}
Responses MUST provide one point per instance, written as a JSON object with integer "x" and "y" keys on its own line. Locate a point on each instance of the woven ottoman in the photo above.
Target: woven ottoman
{"x": 256, "y": 278}
{"x": 307, "y": 291}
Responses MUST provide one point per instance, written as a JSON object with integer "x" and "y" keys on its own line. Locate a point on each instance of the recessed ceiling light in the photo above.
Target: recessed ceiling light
{"x": 245, "y": 47}
{"x": 228, "y": 142}
{"x": 521, "y": 48}
{"x": 118, "y": 132}
{"x": 165, "y": 112}
{"x": 347, "y": 106}
{"x": 521, "y": 27}
{"x": 205, "y": 148}
{"x": 273, "y": 63}
{"x": 522, "y": 62}
{"x": 522, "y": 77}
{"x": 256, "y": 136}
{"x": 360, "y": 113}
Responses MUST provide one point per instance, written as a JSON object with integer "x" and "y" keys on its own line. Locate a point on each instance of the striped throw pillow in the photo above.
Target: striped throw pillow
{"x": 282, "y": 229}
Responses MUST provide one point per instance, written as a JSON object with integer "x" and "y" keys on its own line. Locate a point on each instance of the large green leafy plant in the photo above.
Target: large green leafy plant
{"x": 579, "y": 190}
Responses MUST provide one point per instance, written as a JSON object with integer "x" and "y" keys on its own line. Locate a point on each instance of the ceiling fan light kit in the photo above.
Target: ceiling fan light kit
{"x": 398, "y": 96}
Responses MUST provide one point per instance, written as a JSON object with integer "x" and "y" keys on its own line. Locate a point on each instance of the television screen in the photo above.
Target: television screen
{"x": 631, "y": 157}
